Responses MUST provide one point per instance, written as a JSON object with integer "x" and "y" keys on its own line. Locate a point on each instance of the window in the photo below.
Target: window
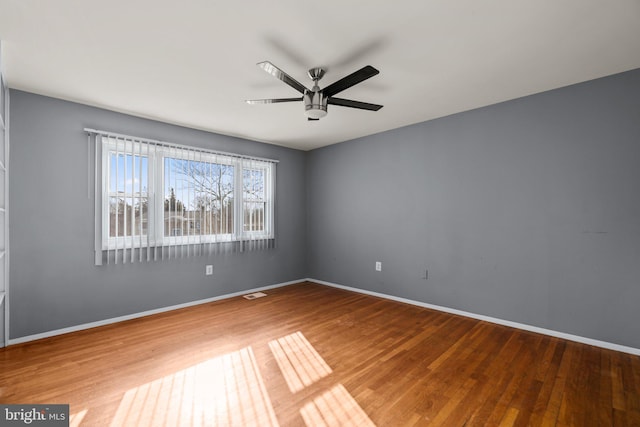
{"x": 158, "y": 195}
{"x": 128, "y": 192}
{"x": 199, "y": 197}
{"x": 254, "y": 200}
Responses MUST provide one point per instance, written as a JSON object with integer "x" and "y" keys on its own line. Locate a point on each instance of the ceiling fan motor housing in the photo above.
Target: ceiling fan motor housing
{"x": 315, "y": 104}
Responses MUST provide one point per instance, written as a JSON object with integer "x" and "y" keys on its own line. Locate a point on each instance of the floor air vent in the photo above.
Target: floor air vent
{"x": 254, "y": 295}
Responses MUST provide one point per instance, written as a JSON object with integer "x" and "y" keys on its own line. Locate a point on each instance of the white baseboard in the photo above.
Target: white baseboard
{"x": 570, "y": 337}
{"x": 563, "y": 335}
{"x": 142, "y": 314}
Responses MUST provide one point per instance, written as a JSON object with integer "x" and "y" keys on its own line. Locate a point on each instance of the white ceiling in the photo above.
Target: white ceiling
{"x": 193, "y": 62}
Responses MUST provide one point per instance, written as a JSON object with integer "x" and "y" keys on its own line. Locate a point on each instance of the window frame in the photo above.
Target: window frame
{"x": 155, "y": 194}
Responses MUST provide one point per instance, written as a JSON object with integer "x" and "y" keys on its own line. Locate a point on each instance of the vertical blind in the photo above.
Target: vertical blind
{"x": 157, "y": 200}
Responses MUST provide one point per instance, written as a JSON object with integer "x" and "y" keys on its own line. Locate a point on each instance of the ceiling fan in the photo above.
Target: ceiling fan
{"x": 316, "y": 99}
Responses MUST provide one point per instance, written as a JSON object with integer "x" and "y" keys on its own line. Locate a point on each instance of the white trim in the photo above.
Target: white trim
{"x": 7, "y": 230}
{"x": 525, "y": 327}
{"x": 90, "y": 325}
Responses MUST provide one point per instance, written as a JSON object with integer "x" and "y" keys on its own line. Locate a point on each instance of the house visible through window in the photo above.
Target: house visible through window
{"x": 156, "y": 195}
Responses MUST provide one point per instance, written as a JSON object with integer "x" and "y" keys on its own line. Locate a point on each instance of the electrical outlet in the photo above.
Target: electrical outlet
{"x": 378, "y": 266}
{"x": 208, "y": 271}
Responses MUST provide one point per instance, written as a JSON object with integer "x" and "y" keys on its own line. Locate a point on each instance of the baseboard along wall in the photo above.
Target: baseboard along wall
{"x": 563, "y": 335}
{"x": 143, "y": 314}
{"x": 530, "y": 328}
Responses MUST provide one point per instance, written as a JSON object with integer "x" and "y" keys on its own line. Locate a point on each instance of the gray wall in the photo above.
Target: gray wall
{"x": 527, "y": 210}
{"x": 54, "y": 282}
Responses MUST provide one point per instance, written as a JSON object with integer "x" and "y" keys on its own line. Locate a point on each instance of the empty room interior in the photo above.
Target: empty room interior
{"x": 320, "y": 213}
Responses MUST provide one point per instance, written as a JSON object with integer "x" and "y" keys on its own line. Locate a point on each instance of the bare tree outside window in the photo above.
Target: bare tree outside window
{"x": 200, "y": 198}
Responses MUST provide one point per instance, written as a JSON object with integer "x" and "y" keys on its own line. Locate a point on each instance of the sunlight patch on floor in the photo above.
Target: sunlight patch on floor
{"x": 336, "y": 407}
{"x": 76, "y": 419}
{"x": 229, "y": 390}
{"x": 223, "y": 391}
{"x": 300, "y": 363}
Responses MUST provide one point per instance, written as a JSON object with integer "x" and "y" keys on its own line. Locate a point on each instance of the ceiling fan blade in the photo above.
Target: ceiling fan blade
{"x": 281, "y": 75}
{"x": 272, "y": 101}
{"x": 354, "y": 104}
{"x": 352, "y": 79}
{"x": 309, "y": 119}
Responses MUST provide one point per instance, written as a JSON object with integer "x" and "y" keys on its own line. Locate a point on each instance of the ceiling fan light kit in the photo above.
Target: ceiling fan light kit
{"x": 315, "y": 105}
{"x": 316, "y": 99}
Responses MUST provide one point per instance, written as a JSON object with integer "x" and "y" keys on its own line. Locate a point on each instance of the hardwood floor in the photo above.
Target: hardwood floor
{"x": 313, "y": 355}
